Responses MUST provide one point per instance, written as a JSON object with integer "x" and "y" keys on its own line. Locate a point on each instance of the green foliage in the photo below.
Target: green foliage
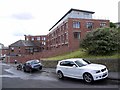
{"x": 118, "y": 29}
{"x": 112, "y": 25}
{"x": 102, "y": 41}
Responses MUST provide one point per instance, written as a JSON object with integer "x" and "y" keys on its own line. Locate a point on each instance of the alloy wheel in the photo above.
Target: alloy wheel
{"x": 88, "y": 77}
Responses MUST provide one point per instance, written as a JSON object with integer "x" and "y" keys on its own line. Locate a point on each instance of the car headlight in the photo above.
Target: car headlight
{"x": 98, "y": 71}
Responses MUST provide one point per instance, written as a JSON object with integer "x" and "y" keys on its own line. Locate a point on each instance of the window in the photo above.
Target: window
{"x": 32, "y": 39}
{"x": 89, "y": 25}
{"x": 38, "y": 38}
{"x": 44, "y": 38}
{"x": 27, "y": 39}
{"x": 102, "y": 25}
{"x": 77, "y": 35}
{"x": 67, "y": 63}
{"x": 87, "y": 15}
{"x": 65, "y": 26}
{"x": 81, "y": 63}
{"x": 44, "y": 43}
{"x": 76, "y": 24}
{"x": 19, "y": 49}
{"x": 12, "y": 49}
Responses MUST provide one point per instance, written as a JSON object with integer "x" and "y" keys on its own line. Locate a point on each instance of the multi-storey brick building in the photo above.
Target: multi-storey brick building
{"x": 40, "y": 40}
{"x": 72, "y": 28}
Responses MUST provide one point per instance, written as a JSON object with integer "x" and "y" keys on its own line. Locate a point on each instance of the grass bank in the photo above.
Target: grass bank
{"x": 82, "y": 54}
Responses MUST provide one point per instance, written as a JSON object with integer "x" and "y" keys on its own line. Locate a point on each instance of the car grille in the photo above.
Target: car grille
{"x": 103, "y": 69}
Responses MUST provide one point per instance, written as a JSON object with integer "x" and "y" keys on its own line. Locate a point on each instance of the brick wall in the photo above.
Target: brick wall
{"x": 43, "y": 54}
{"x": 75, "y": 43}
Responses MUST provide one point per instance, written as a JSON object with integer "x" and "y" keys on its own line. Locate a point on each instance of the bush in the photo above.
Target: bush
{"x": 112, "y": 25}
{"x": 102, "y": 41}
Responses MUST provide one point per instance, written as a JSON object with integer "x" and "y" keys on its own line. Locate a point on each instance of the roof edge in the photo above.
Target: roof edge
{"x": 68, "y": 13}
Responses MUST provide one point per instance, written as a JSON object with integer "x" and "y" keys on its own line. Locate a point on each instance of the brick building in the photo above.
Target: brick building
{"x": 72, "y": 28}
{"x": 5, "y": 51}
{"x": 64, "y": 36}
{"x": 24, "y": 47}
{"x": 40, "y": 40}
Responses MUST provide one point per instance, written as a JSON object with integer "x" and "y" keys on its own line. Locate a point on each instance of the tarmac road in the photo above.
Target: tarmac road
{"x": 12, "y": 78}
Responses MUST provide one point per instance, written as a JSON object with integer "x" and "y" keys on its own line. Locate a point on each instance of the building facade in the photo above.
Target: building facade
{"x": 72, "y": 28}
{"x": 23, "y": 47}
{"x": 5, "y": 51}
{"x": 39, "y": 40}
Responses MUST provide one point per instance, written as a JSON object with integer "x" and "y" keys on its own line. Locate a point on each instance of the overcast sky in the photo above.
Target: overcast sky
{"x": 36, "y": 17}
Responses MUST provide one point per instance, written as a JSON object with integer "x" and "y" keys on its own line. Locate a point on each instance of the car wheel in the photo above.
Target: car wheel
{"x": 88, "y": 77}
{"x": 60, "y": 75}
{"x": 17, "y": 68}
{"x": 30, "y": 70}
{"x": 24, "y": 69}
{"x": 40, "y": 68}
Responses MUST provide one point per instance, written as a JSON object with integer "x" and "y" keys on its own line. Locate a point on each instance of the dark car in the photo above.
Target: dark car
{"x": 31, "y": 65}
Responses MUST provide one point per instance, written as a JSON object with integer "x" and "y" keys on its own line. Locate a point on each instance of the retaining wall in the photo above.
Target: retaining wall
{"x": 112, "y": 64}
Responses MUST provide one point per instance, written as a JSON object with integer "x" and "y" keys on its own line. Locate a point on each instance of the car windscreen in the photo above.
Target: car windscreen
{"x": 81, "y": 63}
{"x": 35, "y": 62}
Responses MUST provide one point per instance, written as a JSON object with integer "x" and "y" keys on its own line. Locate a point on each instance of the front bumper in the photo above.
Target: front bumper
{"x": 101, "y": 75}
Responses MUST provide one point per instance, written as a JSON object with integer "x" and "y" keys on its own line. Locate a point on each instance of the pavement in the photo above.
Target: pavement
{"x": 114, "y": 75}
{"x": 111, "y": 75}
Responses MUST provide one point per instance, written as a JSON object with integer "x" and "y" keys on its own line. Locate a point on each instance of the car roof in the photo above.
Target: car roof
{"x": 30, "y": 61}
{"x": 72, "y": 59}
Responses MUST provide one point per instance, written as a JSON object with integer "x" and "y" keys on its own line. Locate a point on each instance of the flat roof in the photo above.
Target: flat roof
{"x": 70, "y": 12}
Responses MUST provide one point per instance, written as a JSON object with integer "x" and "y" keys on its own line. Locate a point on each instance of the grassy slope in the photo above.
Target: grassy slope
{"x": 80, "y": 54}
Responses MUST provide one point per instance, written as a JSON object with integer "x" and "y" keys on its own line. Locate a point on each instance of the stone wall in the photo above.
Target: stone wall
{"x": 112, "y": 64}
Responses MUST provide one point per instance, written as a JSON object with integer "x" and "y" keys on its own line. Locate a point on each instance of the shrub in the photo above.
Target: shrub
{"x": 112, "y": 25}
{"x": 102, "y": 41}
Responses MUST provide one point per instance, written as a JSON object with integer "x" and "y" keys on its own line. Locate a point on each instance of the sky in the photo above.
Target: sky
{"x": 36, "y": 17}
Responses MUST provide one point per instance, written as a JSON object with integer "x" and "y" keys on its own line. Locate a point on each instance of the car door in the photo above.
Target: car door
{"x": 70, "y": 69}
{"x": 73, "y": 70}
{"x": 64, "y": 67}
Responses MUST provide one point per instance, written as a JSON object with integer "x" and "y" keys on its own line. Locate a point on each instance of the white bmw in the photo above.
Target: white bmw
{"x": 81, "y": 69}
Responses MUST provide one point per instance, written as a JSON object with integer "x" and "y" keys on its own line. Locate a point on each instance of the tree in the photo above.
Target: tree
{"x": 112, "y": 25}
{"x": 102, "y": 41}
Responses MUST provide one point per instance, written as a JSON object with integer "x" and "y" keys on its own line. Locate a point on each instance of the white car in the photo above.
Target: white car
{"x": 81, "y": 69}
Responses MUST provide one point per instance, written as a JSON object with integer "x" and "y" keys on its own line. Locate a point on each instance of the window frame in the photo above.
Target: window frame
{"x": 76, "y": 24}
{"x": 102, "y": 24}
{"x": 89, "y": 25}
{"x": 76, "y": 35}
